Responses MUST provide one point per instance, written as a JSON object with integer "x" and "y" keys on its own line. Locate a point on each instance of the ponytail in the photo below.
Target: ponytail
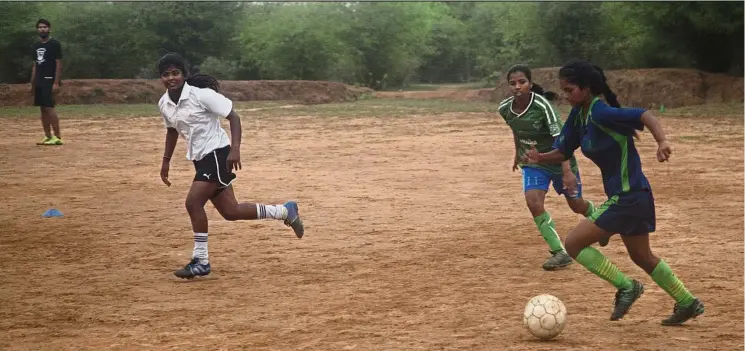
{"x": 204, "y": 81}
{"x": 586, "y": 75}
{"x": 549, "y": 95}
{"x": 609, "y": 95}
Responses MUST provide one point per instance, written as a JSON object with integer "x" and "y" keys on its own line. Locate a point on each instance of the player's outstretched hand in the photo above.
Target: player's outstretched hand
{"x": 164, "y": 172}
{"x": 664, "y": 151}
{"x": 234, "y": 159}
{"x": 569, "y": 182}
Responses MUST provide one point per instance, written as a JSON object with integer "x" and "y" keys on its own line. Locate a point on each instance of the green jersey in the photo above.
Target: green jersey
{"x": 537, "y": 126}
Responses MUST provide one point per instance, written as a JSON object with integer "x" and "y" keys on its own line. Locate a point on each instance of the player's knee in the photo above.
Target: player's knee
{"x": 535, "y": 205}
{"x": 575, "y": 242}
{"x": 578, "y": 206}
{"x": 572, "y": 247}
{"x": 646, "y": 261}
{"x": 192, "y": 204}
{"x": 230, "y": 215}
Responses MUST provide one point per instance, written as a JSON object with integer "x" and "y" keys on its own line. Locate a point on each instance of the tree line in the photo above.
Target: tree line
{"x": 378, "y": 45}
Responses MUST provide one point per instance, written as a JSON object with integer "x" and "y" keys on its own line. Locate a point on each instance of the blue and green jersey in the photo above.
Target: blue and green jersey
{"x": 606, "y": 136}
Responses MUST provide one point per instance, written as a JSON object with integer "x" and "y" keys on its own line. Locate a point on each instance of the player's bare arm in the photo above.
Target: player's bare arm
{"x": 569, "y": 180}
{"x": 653, "y": 124}
{"x": 553, "y": 156}
{"x": 171, "y": 139}
{"x": 234, "y": 157}
{"x": 33, "y": 78}
{"x": 517, "y": 154}
{"x": 57, "y": 75}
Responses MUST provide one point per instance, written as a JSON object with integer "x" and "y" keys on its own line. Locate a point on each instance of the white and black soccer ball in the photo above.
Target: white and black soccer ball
{"x": 545, "y": 316}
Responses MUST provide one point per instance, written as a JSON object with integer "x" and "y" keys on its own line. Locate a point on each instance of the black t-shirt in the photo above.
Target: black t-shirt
{"x": 45, "y": 56}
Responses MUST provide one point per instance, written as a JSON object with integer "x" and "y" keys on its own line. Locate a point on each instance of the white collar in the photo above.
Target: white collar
{"x": 185, "y": 90}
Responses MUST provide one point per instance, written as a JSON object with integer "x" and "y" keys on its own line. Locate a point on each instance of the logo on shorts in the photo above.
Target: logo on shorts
{"x": 207, "y": 175}
{"x": 40, "y": 55}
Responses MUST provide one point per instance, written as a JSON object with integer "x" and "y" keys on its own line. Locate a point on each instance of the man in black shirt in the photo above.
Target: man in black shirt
{"x": 45, "y": 81}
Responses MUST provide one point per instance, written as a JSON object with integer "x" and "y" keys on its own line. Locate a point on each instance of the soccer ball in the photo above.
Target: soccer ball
{"x": 545, "y": 316}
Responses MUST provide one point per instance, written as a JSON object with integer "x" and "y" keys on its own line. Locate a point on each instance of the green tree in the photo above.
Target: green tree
{"x": 17, "y": 35}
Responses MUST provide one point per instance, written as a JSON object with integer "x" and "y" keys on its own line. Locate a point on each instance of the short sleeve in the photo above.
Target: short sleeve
{"x": 621, "y": 120}
{"x": 215, "y": 102}
{"x": 504, "y": 108}
{"x": 551, "y": 120}
{"x": 569, "y": 137}
{"x": 503, "y": 113}
{"x": 166, "y": 123}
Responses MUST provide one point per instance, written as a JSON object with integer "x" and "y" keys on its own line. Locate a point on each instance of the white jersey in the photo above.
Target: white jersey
{"x": 196, "y": 117}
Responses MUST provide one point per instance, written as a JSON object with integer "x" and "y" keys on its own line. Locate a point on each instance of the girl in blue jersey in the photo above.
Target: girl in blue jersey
{"x": 605, "y": 134}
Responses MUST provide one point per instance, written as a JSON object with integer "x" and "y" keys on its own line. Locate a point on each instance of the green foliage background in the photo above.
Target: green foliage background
{"x": 379, "y": 45}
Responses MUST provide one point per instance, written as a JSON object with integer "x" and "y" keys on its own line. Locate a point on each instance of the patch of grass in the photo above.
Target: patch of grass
{"x": 432, "y": 87}
{"x": 114, "y": 110}
{"x": 84, "y": 111}
{"x": 372, "y": 107}
{"x": 247, "y": 105}
{"x": 711, "y": 110}
{"x": 379, "y": 108}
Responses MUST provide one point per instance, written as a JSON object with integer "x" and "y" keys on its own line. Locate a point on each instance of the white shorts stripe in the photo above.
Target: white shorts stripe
{"x": 217, "y": 165}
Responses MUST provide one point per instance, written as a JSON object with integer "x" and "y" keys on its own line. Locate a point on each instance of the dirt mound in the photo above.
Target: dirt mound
{"x": 123, "y": 91}
{"x": 648, "y": 88}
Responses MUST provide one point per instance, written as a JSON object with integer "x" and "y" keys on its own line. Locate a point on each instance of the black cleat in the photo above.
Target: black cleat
{"x": 558, "y": 260}
{"x": 625, "y": 298}
{"x": 682, "y": 314}
{"x": 193, "y": 269}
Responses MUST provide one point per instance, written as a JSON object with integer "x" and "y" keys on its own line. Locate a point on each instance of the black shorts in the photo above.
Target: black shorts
{"x": 214, "y": 168}
{"x": 631, "y": 213}
{"x": 43, "y": 96}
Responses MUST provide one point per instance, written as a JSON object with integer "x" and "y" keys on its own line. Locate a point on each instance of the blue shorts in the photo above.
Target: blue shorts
{"x": 627, "y": 214}
{"x": 539, "y": 178}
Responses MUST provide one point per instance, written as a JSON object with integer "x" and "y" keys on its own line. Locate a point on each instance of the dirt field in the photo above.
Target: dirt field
{"x": 417, "y": 238}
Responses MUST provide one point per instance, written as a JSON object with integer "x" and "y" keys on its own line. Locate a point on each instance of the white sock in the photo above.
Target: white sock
{"x": 271, "y": 211}
{"x": 200, "y": 248}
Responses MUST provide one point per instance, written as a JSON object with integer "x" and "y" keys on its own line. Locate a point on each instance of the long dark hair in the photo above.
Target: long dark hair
{"x": 536, "y": 88}
{"x": 197, "y": 80}
{"x": 587, "y": 75}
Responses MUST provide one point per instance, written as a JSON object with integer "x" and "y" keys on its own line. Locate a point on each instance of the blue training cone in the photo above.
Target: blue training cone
{"x": 52, "y": 213}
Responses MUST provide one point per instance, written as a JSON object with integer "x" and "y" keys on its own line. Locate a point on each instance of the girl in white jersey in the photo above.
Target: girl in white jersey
{"x": 192, "y": 108}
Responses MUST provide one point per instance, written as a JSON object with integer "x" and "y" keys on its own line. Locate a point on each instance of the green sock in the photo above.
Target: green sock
{"x": 598, "y": 264}
{"x": 548, "y": 232}
{"x": 666, "y": 279}
{"x": 590, "y": 208}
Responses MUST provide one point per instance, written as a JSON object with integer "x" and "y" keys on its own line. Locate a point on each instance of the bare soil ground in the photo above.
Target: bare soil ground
{"x": 417, "y": 238}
